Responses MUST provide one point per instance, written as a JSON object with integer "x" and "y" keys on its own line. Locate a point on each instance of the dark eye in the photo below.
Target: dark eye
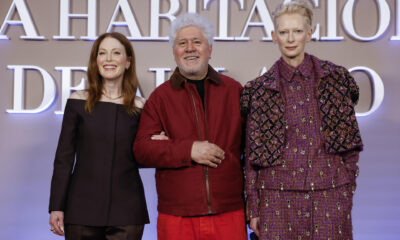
{"x": 299, "y": 31}
{"x": 282, "y": 32}
{"x": 100, "y": 53}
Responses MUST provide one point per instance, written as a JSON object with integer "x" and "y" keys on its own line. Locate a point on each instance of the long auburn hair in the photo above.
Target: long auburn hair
{"x": 95, "y": 80}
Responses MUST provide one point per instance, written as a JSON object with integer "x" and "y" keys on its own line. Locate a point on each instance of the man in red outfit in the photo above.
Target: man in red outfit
{"x": 198, "y": 170}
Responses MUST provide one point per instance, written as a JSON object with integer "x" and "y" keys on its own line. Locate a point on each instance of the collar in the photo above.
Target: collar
{"x": 178, "y": 80}
{"x": 270, "y": 79}
{"x": 287, "y": 71}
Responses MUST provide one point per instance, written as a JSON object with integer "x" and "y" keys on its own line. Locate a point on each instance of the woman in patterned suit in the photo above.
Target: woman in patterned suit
{"x": 302, "y": 139}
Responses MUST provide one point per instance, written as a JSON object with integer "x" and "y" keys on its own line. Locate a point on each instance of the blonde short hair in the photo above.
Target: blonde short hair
{"x": 295, "y": 6}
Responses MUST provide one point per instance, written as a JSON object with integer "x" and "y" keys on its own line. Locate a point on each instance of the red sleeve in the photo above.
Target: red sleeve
{"x": 172, "y": 153}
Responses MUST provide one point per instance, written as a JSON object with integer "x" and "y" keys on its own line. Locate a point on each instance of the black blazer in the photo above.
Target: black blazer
{"x": 96, "y": 181}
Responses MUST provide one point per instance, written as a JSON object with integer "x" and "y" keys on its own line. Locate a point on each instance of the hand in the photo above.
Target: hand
{"x": 207, "y": 153}
{"x": 161, "y": 136}
{"x": 57, "y": 222}
{"x": 254, "y": 225}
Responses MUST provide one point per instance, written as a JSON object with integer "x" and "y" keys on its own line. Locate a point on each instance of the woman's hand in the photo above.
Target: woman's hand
{"x": 254, "y": 225}
{"x": 161, "y": 136}
{"x": 57, "y": 222}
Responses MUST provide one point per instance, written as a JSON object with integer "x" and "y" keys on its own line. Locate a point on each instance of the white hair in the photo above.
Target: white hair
{"x": 192, "y": 19}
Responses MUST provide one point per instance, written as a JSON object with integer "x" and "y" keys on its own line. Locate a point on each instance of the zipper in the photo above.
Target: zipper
{"x": 207, "y": 137}
{"x": 195, "y": 112}
{"x": 200, "y": 135}
{"x": 208, "y": 190}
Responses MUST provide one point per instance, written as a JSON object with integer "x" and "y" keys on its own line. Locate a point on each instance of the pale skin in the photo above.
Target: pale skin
{"x": 255, "y": 225}
{"x": 292, "y": 34}
{"x": 112, "y": 62}
{"x": 192, "y": 54}
{"x": 57, "y": 222}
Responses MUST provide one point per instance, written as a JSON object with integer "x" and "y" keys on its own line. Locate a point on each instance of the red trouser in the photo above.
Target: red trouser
{"x": 224, "y": 226}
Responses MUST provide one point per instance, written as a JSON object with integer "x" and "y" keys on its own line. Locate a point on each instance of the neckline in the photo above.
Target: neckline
{"x": 84, "y": 100}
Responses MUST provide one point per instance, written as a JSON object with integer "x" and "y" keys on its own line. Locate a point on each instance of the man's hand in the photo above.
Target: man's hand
{"x": 206, "y": 153}
{"x": 57, "y": 222}
{"x": 254, "y": 225}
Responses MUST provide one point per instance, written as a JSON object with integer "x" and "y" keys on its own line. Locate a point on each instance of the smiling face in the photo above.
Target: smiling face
{"x": 291, "y": 33}
{"x": 112, "y": 59}
{"x": 192, "y": 52}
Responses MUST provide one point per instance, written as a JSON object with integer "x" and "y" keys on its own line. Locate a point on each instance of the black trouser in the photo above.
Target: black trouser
{"x": 81, "y": 232}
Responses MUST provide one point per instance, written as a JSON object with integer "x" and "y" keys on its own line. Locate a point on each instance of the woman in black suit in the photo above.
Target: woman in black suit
{"x": 96, "y": 189}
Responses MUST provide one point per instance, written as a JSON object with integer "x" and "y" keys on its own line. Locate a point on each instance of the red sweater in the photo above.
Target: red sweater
{"x": 184, "y": 187}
